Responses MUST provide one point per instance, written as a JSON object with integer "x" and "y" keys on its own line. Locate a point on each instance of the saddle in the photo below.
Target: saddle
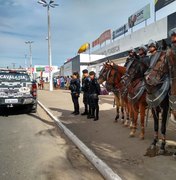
{"x": 136, "y": 90}
{"x": 155, "y": 99}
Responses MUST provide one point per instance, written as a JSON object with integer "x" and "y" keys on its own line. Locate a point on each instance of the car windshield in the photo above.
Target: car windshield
{"x": 14, "y": 77}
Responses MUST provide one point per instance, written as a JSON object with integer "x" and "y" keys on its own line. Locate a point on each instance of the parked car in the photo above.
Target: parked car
{"x": 17, "y": 89}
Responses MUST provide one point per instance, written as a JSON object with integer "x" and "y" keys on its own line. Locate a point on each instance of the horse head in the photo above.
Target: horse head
{"x": 155, "y": 74}
{"x": 104, "y": 72}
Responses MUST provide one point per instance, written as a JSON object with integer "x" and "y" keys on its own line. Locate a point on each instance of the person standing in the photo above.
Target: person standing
{"x": 85, "y": 88}
{"x": 94, "y": 92}
{"x": 75, "y": 92}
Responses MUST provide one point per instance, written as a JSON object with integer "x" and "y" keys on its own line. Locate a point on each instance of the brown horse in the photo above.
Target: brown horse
{"x": 112, "y": 75}
{"x": 157, "y": 85}
{"x": 136, "y": 93}
{"x": 171, "y": 58}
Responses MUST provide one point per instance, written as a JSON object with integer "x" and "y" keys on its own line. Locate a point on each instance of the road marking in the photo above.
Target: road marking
{"x": 101, "y": 166}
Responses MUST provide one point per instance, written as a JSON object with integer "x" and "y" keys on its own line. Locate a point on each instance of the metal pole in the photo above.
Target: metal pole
{"x": 49, "y": 51}
{"x": 30, "y": 51}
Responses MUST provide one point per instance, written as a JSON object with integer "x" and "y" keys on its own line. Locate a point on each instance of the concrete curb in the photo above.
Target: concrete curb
{"x": 102, "y": 167}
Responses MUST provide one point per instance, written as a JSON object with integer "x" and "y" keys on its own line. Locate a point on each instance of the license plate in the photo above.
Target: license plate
{"x": 12, "y": 101}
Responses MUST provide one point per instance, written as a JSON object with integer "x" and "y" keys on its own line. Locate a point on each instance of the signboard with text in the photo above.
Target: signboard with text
{"x": 120, "y": 31}
{"x": 139, "y": 16}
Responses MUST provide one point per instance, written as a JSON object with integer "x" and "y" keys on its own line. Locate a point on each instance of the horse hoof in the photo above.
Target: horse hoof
{"x": 152, "y": 146}
{"x": 115, "y": 121}
{"x": 174, "y": 155}
{"x": 161, "y": 152}
{"x": 141, "y": 136}
{"x": 132, "y": 134}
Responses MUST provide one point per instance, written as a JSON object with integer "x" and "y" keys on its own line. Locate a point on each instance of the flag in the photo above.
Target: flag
{"x": 84, "y": 48}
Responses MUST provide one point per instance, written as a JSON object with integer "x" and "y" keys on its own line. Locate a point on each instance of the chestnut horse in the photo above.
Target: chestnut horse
{"x": 112, "y": 76}
{"x": 136, "y": 93}
{"x": 171, "y": 58}
{"x": 157, "y": 86}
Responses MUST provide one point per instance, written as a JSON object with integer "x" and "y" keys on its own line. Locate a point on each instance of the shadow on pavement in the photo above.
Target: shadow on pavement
{"x": 4, "y": 111}
{"x": 41, "y": 119}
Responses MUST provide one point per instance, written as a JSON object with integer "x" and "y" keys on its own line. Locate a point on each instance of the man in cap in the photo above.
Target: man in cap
{"x": 94, "y": 92}
{"x": 85, "y": 88}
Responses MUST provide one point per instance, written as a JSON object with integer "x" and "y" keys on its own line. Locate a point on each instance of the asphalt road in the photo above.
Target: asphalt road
{"x": 31, "y": 147}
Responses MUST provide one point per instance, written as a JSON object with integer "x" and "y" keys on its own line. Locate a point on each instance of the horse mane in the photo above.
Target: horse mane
{"x": 121, "y": 69}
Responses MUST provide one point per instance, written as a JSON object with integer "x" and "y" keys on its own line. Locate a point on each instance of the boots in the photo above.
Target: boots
{"x": 91, "y": 113}
{"x": 97, "y": 114}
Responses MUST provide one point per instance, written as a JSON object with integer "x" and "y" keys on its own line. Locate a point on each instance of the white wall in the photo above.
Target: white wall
{"x": 93, "y": 57}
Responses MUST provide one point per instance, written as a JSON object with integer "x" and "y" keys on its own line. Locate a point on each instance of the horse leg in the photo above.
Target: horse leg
{"x": 131, "y": 116}
{"x": 117, "y": 108}
{"x": 142, "y": 118}
{"x": 127, "y": 109}
{"x": 135, "y": 117}
{"x": 155, "y": 114}
{"x": 163, "y": 128}
{"x": 122, "y": 112}
{"x": 117, "y": 114}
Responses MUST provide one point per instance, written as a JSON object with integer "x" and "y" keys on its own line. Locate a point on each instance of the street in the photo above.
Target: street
{"x": 31, "y": 147}
{"x": 110, "y": 141}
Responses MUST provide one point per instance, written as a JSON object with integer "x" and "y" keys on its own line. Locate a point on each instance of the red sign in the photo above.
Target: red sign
{"x": 103, "y": 37}
{"x": 95, "y": 43}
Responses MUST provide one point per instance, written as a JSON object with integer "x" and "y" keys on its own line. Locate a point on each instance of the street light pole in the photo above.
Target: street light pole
{"x": 48, "y": 5}
{"x": 30, "y": 51}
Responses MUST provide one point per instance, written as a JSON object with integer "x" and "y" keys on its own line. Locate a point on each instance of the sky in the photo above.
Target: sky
{"x": 73, "y": 23}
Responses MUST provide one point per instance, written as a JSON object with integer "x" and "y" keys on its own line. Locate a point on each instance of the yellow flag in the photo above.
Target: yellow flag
{"x": 84, "y": 48}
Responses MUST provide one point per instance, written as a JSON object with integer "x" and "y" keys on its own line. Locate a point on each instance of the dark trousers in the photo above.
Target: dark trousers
{"x": 75, "y": 102}
{"x": 93, "y": 107}
{"x": 85, "y": 101}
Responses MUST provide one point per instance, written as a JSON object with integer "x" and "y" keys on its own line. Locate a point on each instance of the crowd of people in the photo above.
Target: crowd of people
{"x": 91, "y": 91}
{"x": 62, "y": 82}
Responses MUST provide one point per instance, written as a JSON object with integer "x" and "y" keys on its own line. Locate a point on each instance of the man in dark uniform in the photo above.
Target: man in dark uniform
{"x": 131, "y": 56}
{"x": 94, "y": 92}
{"x": 75, "y": 92}
{"x": 143, "y": 58}
{"x": 85, "y": 88}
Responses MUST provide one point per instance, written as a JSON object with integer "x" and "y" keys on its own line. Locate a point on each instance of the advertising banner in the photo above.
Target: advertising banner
{"x": 171, "y": 23}
{"x": 140, "y": 16}
{"x": 105, "y": 36}
{"x": 120, "y": 31}
{"x": 162, "y": 3}
{"x": 95, "y": 43}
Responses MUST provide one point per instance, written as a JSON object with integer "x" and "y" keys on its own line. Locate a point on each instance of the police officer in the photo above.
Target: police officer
{"x": 94, "y": 92}
{"x": 143, "y": 58}
{"x": 85, "y": 88}
{"x": 153, "y": 49}
{"x": 75, "y": 92}
{"x": 131, "y": 56}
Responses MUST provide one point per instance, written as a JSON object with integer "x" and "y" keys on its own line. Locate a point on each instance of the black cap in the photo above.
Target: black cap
{"x": 85, "y": 71}
{"x": 92, "y": 73}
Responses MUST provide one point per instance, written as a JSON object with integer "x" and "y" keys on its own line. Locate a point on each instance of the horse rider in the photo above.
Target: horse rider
{"x": 143, "y": 58}
{"x": 131, "y": 56}
{"x": 94, "y": 92}
{"x": 85, "y": 88}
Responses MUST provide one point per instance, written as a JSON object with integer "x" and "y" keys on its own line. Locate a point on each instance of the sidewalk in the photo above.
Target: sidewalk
{"x": 110, "y": 141}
